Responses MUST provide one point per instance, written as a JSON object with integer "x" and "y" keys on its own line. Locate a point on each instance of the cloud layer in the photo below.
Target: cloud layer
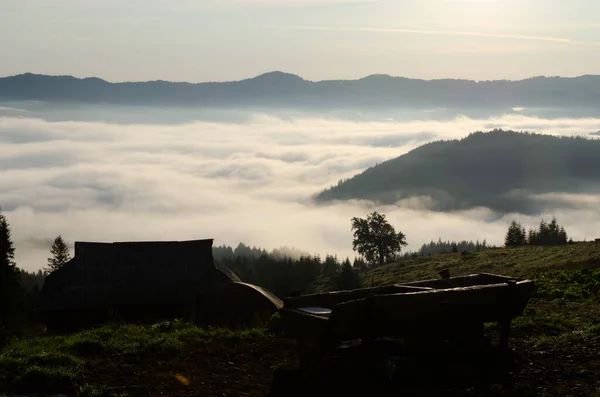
{"x": 235, "y": 181}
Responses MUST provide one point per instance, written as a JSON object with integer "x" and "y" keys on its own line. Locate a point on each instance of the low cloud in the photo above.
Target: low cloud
{"x": 246, "y": 181}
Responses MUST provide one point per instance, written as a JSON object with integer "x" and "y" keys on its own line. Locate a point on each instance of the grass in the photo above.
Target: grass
{"x": 53, "y": 364}
{"x": 558, "y": 322}
{"x": 518, "y": 262}
{"x": 564, "y": 284}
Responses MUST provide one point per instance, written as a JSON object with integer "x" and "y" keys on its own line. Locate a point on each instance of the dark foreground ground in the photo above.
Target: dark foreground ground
{"x": 549, "y": 356}
{"x": 269, "y": 367}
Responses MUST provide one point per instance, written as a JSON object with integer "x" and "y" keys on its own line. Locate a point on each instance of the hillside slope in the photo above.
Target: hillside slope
{"x": 519, "y": 262}
{"x": 506, "y": 171}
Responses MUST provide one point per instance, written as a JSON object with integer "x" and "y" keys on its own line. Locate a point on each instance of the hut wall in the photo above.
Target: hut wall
{"x": 140, "y": 280}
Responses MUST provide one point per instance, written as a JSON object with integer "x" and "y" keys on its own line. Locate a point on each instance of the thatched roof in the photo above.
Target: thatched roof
{"x": 131, "y": 274}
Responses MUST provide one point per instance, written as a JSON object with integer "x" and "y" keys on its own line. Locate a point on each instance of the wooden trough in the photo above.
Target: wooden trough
{"x": 448, "y": 309}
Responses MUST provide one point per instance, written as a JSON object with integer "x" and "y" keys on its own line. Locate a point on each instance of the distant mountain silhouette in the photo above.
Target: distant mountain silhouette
{"x": 288, "y": 90}
{"x": 501, "y": 170}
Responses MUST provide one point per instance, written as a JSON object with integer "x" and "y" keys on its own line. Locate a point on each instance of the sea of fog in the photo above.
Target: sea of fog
{"x": 107, "y": 173}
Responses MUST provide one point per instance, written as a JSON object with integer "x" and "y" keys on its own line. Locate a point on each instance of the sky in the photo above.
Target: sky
{"x": 223, "y": 40}
{"x": 246, "y": 180}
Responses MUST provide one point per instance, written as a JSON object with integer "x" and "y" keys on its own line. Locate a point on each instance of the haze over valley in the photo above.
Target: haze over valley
{"x": 110, "y": 173}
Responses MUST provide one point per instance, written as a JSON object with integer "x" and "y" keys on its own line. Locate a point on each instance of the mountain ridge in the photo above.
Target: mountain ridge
{"x": 280, "y": 89}
{"x": 280, "y": 72}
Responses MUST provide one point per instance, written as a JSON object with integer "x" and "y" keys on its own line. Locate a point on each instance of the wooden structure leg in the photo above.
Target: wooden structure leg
{"x": 504, "y": 333}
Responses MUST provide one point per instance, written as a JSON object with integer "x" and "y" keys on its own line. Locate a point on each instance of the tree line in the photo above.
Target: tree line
{"x": 441, "y": 247}
{"x": 547, "y": 234}
{"x": 284, "y": 275}
{"x": 221, "y": 252}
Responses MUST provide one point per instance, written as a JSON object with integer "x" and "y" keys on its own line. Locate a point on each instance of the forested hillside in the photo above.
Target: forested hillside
{"x": 503, "y": 170}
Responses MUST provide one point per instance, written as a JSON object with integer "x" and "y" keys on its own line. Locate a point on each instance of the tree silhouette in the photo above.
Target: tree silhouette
{"x": 60, "y": 254}
{"x": 515, "y": 236}
{"x": 330, "y": 266}
{"x": 346, "y": 278}
{"x": 359, "y": 264}
{"x": 10, "y": 281}
{"x": 376, "y": 239}
{"x": 547, "y": 234}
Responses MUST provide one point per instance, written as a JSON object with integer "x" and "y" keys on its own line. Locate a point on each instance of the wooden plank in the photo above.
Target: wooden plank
{"x": 401, "y": 313}
{"x": 331, "y": 299}
{"x": 463, "y": 281}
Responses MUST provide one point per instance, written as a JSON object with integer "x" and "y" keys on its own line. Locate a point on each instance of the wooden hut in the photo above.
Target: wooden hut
{"x": 133, "y": 282}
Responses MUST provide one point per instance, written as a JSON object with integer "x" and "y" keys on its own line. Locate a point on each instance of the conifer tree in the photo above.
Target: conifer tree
{"x": 10, "y": 281}
{"x": 515, "y": 236}
{"x": 346, "y": 278}
{"x": 60, "y": 254}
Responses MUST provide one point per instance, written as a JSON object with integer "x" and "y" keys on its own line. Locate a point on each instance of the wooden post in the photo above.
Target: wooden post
{"x": 306, "y": 354}
{"x": 506, "y": 323}
{"x": 368, "y": 319}
{"x": 504, "y": 333}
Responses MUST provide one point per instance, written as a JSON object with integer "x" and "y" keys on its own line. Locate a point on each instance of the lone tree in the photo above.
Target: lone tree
{"x": 60, "y": 254}
{"x": 10, "y": 281}
{"x": 376, "y": 239}
{"x": 515, "y": 236}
